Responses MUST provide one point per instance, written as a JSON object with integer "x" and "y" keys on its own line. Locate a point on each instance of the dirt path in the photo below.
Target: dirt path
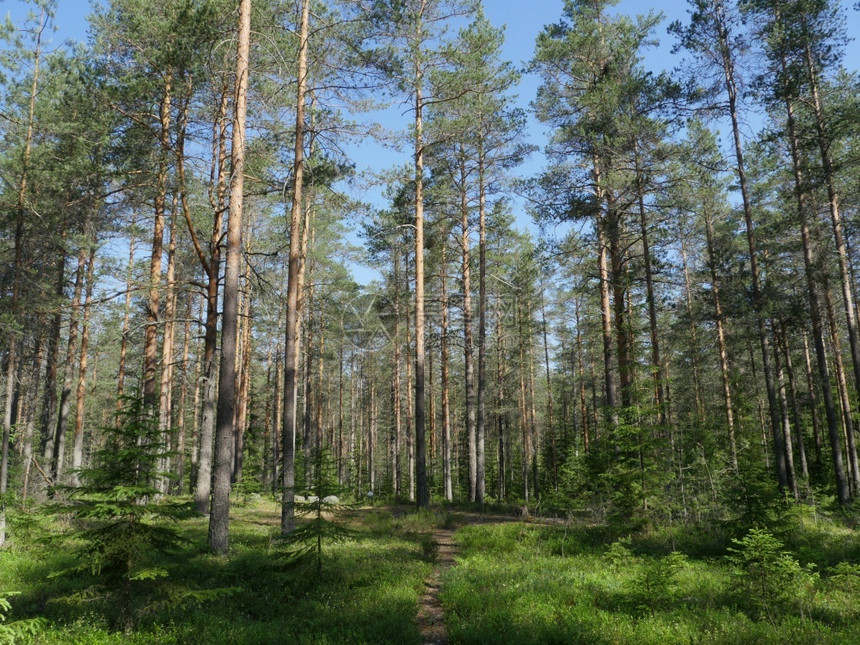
{"x": 431, "y": 616}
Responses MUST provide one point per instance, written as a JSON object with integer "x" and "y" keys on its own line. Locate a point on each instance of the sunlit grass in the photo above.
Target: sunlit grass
{"x": 367, "y": 591}
{"x": 513, "y": 585}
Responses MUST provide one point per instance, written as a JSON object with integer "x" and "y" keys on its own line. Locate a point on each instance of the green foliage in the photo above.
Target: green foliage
{"x": 756, "y": 502}
{"x": 511, "y": 585}
{"x": 768, "y": 577}
{"x": 119, "y": 532}
{"x": 11, "y": 633}
{"x": 656, "y": 583}
{"x": 305, "y": 543}
{"x": 429, "y": 546}
{"x": 846, "y": 576}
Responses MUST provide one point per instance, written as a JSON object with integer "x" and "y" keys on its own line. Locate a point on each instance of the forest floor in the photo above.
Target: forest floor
{"x": 451, "y": 575}
{"x": 430, "y": 618}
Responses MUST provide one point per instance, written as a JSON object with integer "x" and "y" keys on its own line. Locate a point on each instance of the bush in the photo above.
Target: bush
{"x": 121, "y": 531}
{"x": 769, "y": 577}
{"x": 12, "y": 632}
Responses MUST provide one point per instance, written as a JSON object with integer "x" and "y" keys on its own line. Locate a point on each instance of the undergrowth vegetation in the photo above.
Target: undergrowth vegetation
{"x": 366, "y": 592}
{"x": 524, "y": 583}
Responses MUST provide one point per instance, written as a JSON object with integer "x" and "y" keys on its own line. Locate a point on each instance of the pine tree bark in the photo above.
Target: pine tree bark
{"x": 480, "y": 429}
{"x": 81, "y": 392}
{"x": 58, "y": 457}
{"x": 288, "y": 433}
{"x": 219, "y": 513}
{"x": 468, "y": 339}
{"x": 809, "y": 263}
{"x": 728, "y": 68}
{"x": 446, "y": 398}
{"x": 150, "y": 344}
{"x": 212, "y": 268}
{"x": 721, "y": 339}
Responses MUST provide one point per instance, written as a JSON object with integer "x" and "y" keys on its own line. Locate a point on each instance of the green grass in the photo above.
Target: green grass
{"x": 367, "y": 591}
{"x": 518, "y": 583}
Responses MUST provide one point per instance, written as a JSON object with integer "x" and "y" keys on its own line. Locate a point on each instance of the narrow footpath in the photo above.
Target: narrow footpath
{"x": 431, "y": 617}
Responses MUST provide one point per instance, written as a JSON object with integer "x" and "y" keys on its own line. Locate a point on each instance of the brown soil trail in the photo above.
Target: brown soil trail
{"x": 431, "y": 616}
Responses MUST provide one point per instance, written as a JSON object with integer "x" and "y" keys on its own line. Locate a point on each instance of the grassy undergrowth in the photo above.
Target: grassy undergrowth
{"x": 366, "y": 592}
{"x": 519, "y": 583}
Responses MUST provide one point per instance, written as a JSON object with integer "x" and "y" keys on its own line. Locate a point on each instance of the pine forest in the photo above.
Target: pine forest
{"x": 429, "y": 321}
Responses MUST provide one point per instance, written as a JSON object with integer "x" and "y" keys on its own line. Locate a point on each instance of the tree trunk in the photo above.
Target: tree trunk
{"x": 150, "y": 345}
{"x": 165, "y": 399}
{"x": 468, "y": 342}
{"x": 605, "y": 305}
{"x": 656, "y": 360}
{"x": 844, "y": 396}
{"x": 728, "y": 65}
{"x": 81, "y": 393}
{"x": 219, "y": 514}
{"x": 210, "y": 339}
{"x": 809, "y": 263}
{"x": 49, "y": 395}
{"x": 446, "y": 400}
{"x": 288, "y": 433}
{"x": 126, "y": 321}
{"x": 721, "y": 341}
{"x": 480, "y": 429}
{"x": 423, "y": 491}
{"x": 58, "y": 458}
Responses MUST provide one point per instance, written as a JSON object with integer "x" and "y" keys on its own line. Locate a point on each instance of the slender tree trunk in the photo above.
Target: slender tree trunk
{"x": 728, "y": 65}
{"x": 656, "y": 361}
{"x": 81, "y": 393}
{"x": 523, "y": 404}
{"x": 58, "y": 458}
{"x": 480, "y": 429}
{"x": 126, "y": 321}
{"x": 468, "y": 341}
{"x": 809, "y": 262}
{"x": 605, "y": 305}
{"x": 583, "y": 406}
{"x": 219, "y": 513}
{"x": 396, "y": 395}
{"x": 813, "y": 400}
{"x": 30, "y": 421}
{"x": 446, "y": 400}
{"x": 721, "y": 340}
{"x": 212, "y": 269}
{"x": 694, "y": 335}
{"x": 291, "y": 348}
{"x": 786, "y": 427}
{"x": 150, "y": 345}
{"x": 795, "y": 408}
{"x": 844, "y": 396}
{"x": 423, "y": 491}
{"x": 179, "y": 470}
{"x": 500, "y": 402}
{"x": 410, "y": 437}
{"x": 613, "y": 225}
{"x": 165, "y": 399}
{"x": 48, "y": 421}
{"x": 550, "y": 427}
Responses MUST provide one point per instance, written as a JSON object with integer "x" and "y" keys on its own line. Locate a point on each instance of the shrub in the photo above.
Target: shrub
{"x": 13, "y": 632}
{"x": 121, "y": 531}
{"x": 305, "y": 543}
{"x": 769, "y": 577}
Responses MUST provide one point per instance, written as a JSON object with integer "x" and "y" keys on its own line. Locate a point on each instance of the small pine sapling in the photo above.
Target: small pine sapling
{"x": 117, "y": 520}
{"x": 324, "y": 511}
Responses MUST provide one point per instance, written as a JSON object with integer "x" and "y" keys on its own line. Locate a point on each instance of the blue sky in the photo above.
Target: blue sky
{"x": 523, "y": 19}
